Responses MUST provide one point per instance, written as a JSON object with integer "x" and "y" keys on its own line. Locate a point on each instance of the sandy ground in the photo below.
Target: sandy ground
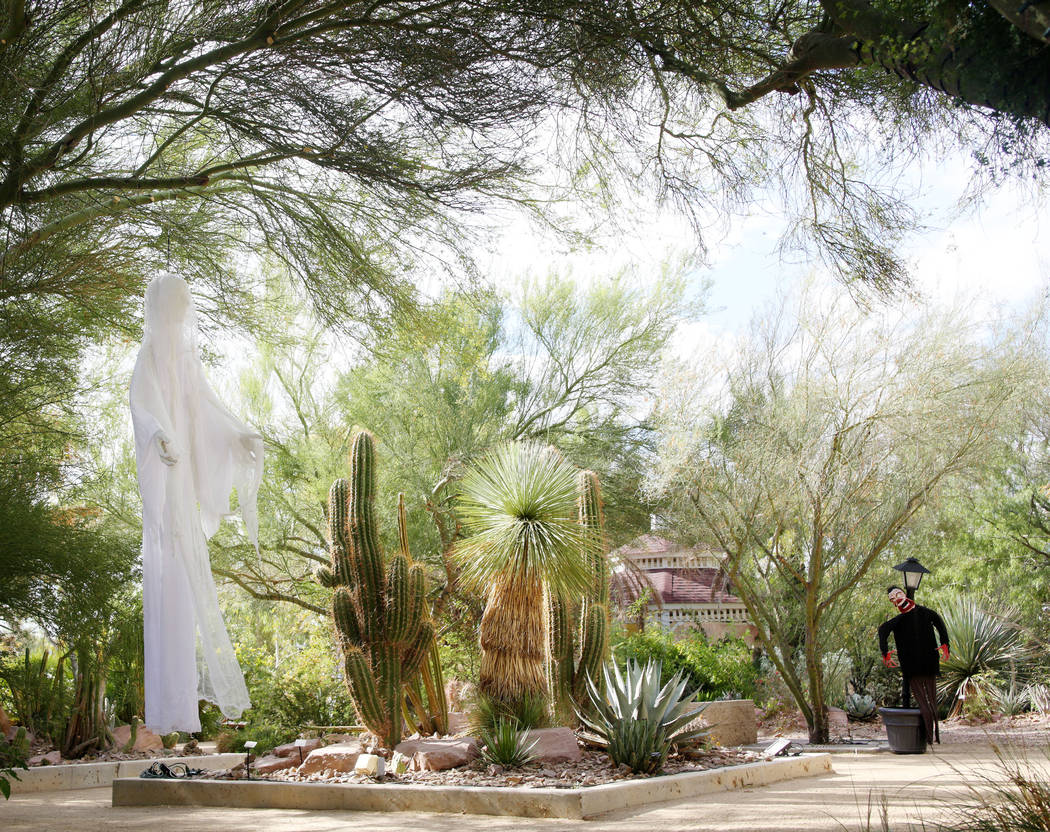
{"x": 914, "y": 790}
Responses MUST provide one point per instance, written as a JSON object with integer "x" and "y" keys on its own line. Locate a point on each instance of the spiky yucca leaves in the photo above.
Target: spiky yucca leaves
{"x": 518, "y": 506}
{"x": 507, "y": 745}
{"x": 579, "y": 627}
{"x": 984, "y": 648}
{"x": 378, "y": 607}
{"x": 636, "y": 720}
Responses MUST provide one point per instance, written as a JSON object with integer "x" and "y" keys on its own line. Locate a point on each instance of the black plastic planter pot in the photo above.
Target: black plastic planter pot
{"x": 904, "y": 730}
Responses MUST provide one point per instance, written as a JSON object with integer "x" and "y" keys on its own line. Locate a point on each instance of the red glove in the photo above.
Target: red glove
{"x": 944, "y": 652}
{"x": 889, "y": 660}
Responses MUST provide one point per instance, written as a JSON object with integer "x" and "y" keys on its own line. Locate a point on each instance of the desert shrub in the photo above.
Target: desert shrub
{"x": 268, "y": 738}
{"x": 720, "y": 669}
{"x": 13, "y": 756}
{"x": 302, "y": 686}
{"x": 39, "y": 690}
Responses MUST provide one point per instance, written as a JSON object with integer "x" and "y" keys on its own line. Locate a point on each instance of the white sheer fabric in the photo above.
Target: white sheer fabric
{"x": 191, "y": 451}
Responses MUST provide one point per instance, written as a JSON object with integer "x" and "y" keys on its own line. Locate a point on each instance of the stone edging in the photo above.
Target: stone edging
{"x": 580, "y": 803}
{"x": 92, "y": 775}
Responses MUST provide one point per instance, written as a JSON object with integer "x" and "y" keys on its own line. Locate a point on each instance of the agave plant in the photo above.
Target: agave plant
{"x": 860, "y": 706}
{"x": 636, "y": 720}
{"x": 505, "y": 745}
{"x": 984, "y": 647}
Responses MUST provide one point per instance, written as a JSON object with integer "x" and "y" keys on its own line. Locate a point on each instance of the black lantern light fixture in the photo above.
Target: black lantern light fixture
{"x": 913, "y": 572}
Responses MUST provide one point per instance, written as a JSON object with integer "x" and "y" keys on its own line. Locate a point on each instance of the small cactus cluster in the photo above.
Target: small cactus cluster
{"x": 579, "y": 628}
{"x": 378, "y": 607}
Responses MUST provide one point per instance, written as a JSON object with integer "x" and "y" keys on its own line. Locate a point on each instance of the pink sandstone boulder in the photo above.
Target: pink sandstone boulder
{"x": 339, "y": 757}
{"x": 145, "y": 739}
{"x": 458, "y": 723}
{"x": 292, "y": 750}
{"x": 439, "y": 754}
{"x": 52, "y": 758}
{"x": 270, "y": 764}
{"x": 554, "y": 745}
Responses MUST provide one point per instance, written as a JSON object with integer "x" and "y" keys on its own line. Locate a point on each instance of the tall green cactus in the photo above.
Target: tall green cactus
{"x": 378, "y": 607}
{"x": 579, "y": 628}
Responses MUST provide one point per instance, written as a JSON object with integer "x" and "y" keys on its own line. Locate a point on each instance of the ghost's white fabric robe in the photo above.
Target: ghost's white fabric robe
{"x": 191, "y": 451}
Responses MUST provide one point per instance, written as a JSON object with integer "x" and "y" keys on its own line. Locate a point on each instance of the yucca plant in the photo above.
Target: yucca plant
{"x": 518, "y": 507}
{"x": 1039, "y": 697}
{"x": 636, "y": 720}
{"x": 983, "y": 647}
{"x": 1012, "y": 699}
{"x": 507, "y": 745}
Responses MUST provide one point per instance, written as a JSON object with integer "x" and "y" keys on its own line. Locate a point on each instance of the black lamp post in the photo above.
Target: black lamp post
{"x": 913, "y": 572}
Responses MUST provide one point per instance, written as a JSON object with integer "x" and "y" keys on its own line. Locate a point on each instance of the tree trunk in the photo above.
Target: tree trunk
{"x": 817, "y": 720}
{"x": 514, "y": 641}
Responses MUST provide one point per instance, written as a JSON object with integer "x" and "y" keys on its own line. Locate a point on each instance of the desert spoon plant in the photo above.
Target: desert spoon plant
{"x": 378, "y": 607}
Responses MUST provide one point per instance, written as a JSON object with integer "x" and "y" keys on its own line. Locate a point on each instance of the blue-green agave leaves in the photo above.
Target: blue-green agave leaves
{"x": 636, "y": 720}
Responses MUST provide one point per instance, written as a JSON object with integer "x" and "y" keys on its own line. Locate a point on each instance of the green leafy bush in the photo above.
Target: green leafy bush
{"x": 268, "y": 738}
{"x": 637, "y": 719}
{"x": 716, "y": 670}
{"x": 507, "y": 745}
{"x": 13, "y": 755}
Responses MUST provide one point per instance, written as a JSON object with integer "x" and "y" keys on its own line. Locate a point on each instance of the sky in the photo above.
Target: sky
{"x": 994, "y": 256}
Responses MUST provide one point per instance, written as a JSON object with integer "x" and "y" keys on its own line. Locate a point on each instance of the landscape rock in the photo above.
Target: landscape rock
{"x": 554, "y": 745}
{"x": 271, "y": 763}
{"x": 52, "y": 758}
{"x": 145, "y": 739}
{"x": 292, "y": 750}
{"x": 458, "y": 723}
{"x": 339, "y": 757}
{"x": 439, "y": 754}
{"x": 732, "y": 722}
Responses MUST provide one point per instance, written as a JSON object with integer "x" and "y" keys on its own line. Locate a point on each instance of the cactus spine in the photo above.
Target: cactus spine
{"x": 378, "y": 608}
{"x": 579, "y": 628}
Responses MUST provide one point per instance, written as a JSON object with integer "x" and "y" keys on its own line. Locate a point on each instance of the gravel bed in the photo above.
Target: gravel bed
{"x": 593, "y": 769}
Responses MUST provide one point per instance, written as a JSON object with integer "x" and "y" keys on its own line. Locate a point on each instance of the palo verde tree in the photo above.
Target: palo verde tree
{"x": 804, "y": 458}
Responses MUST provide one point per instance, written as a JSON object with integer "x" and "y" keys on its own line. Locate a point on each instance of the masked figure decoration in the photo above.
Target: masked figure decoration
{"x": 191, "y": 451}
{"x": 915, "y": 632}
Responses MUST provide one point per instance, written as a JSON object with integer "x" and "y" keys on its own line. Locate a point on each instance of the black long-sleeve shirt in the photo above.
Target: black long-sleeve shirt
{"x": 913, "y": 633}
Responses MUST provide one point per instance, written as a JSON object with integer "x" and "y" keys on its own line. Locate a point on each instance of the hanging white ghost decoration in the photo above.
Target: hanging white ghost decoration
{"x": 191, "y": 452}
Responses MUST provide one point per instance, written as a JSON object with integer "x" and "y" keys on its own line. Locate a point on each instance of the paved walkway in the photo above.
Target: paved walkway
{"x": 914, "y": 789}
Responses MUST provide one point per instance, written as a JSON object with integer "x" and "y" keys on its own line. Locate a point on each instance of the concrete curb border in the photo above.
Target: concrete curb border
{"x": 579, "y": 804}
{"x": 92, "y": 775}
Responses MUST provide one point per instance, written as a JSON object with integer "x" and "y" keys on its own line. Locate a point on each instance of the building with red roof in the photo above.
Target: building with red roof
{"x": 658, "y": 581}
